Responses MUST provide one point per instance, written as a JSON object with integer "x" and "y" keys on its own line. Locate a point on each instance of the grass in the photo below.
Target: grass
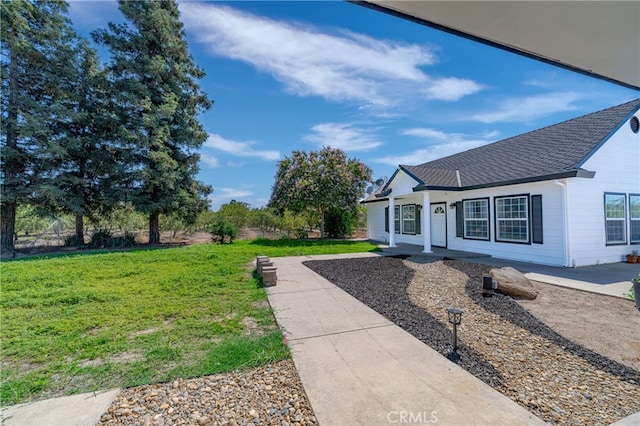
{"x": 87, "y": 321}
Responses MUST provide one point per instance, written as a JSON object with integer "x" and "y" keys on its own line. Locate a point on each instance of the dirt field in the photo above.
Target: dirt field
{"x": 607, "y": 325}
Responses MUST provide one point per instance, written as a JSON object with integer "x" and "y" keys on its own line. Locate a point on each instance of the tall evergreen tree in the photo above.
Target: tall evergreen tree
{"x": 157, "y": 79}
{"x": 36, "y": 59}
{"x": 89, "y": 173}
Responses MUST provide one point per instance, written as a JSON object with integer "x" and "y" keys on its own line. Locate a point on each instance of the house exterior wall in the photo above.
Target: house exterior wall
{"x": 375, "y": 222}
{"x": 617, "y": 167}
{"x": 550, "y": 252}
{"x": 573, "y": 213}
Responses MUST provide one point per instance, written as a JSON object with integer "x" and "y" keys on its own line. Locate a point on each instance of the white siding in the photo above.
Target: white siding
{"x": 375, "y": 221}
{"x": 402, "y": 184}
{"x": 617, "y": 167}
{"x": 551, "y": 252}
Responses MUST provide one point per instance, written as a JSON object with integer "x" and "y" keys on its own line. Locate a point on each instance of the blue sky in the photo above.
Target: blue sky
{"x": 301, "y": 75}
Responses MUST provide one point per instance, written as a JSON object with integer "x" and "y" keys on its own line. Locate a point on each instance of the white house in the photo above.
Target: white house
{"x": 563, "y": 195}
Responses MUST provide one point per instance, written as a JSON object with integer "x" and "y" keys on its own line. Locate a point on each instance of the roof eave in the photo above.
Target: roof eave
{"x": 579, "y": 173}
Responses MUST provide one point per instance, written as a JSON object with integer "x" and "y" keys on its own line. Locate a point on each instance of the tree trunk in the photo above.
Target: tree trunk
{"x": 154, "y": 228}
{"x": 8, "y": 220}
{"x": 322, "y": 224}
{"x": 79, "y": 228}
{"x": 8, "y": 226}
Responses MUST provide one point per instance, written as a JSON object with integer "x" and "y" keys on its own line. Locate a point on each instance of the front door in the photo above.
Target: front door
{"x": 439, "y": 225}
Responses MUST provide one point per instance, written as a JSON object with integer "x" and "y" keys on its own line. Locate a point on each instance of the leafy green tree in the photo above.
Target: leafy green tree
{"x": 222, "y": 228}
{"x": 340, "y": 223}
{"x": 156, "y": 78}
{"x": 36, "y": 61}
{"x": 320, "y": 180}
{"x": 235, "y": 212}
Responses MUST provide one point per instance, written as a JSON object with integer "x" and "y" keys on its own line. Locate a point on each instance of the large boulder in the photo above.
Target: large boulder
{"x": 513, "y": 283}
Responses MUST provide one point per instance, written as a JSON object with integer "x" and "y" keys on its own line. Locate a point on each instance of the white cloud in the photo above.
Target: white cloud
{"x": 426, "y": 133}
{"x": 530, "y": 108}
{"x": 239, "y": 149}
{"x": 440, "y": 144}
{"x": 344, "y": 136}
{"x": 233, "y": 193}
{"x": 209, "y": 160}
{"x": 451, "y": 88}
{"x": 338, "y": 65}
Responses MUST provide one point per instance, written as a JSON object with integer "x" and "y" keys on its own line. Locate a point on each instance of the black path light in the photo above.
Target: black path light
{"x": 455, "y": 318}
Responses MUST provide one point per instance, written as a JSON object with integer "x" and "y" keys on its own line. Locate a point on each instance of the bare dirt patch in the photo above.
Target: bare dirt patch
{"x": 607, "y": 325}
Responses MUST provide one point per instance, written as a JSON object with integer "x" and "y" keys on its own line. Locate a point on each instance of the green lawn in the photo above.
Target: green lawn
{"x": 89, "y": 321}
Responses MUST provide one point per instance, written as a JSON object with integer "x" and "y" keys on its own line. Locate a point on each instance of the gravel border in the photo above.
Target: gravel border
{"x": 503, "y": 344}
{"x": 267, "y": 395}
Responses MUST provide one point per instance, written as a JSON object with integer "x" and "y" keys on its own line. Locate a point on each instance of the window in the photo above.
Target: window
{"x": 409, "y": 219}
{"x": 634, "y": 218}
{"x": 476, "y": 219}
{"x": 614, "y": 217}
{"x": 512, "y": 219}
{"x": 396, "y": 220}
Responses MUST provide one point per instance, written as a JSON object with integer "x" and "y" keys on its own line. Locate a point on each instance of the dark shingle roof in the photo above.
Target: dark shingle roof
{"x": 552, "y": 152}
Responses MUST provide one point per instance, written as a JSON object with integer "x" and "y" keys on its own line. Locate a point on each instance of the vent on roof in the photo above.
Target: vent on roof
{"x": 635, "y": 124}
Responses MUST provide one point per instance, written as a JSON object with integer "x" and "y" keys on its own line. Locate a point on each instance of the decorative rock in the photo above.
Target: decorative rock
{"x": 236, "y": 398}
{"x": 513, "y": 283}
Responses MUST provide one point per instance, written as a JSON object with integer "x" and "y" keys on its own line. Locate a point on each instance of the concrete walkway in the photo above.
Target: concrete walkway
{"x": 76, "y": 410}
{"x": 358, "y": 368}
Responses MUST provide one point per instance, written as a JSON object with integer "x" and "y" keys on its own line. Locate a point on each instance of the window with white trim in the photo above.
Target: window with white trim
{"x": 634, "y": 218}
{"x": 396, "y": 219}
{"x": 476, "y": 219}
{"x": 512, "y": 219}
{"x": 615, "y": 218}
{"x": 409, "y": 219}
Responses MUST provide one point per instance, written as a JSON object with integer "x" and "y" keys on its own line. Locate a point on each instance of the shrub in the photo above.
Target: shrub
{"x": 221, "y": 229}
{"x": 339, "y": 223}
{"x": 100, "y": 238}
{"x": 73, "y": 241}
{"x": 125, "y": 241}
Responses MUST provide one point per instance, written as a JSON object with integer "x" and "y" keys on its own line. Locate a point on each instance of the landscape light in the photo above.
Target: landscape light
{"x": 455, "y": 318}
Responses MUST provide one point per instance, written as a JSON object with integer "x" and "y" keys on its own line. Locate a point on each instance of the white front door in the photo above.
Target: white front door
{"x": 439, "y": 225}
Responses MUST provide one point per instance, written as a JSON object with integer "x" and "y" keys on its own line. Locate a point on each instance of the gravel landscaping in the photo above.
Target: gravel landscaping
{"x": 269, "y": 395}
{"x": 500, "y": 342}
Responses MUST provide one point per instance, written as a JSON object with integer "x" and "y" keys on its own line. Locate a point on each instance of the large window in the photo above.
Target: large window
{"x": 476, "y": 219}
{"x": 615, "y": 220}
{"x": 634, "y": 218}
{"x": 512, "y": 219}
{"x": 409, "y": 219}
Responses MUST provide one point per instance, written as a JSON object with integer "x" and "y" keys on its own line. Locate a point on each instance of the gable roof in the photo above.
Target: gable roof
{"x": 553, "y": 152}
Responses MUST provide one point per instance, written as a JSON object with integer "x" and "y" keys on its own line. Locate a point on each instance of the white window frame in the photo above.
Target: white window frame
{"x": 396, "y": 219}
{"x": 409, "y": 219}
{"x": 507, "y": 217}
{"x": 612, "y": 216}
{"x": 634, "y": 218}
{"x": 474, "y": 220}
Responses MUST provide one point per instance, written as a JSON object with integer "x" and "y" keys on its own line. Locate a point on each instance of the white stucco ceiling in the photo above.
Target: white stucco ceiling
{"x": 599, "y": 38}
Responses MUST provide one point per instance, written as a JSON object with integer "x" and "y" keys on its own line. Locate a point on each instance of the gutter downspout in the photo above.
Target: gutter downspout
{"x": 567, "y": 230}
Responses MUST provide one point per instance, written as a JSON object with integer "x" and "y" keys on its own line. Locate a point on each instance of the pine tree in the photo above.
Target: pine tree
{"x": 88, "y": 175}
{"x": 35, "y": 61}
{"x": 156, "y": 78}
